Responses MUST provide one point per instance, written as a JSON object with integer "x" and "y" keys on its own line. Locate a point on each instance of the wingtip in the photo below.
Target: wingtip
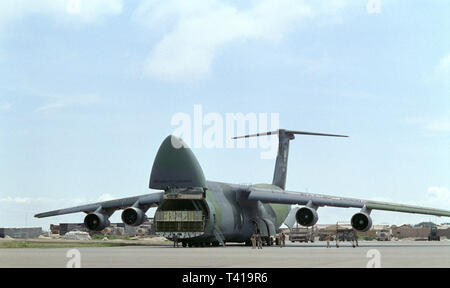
{"x": 41, "y": 215}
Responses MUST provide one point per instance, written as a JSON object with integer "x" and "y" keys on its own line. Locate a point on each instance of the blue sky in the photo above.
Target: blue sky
{"x": 87, "y": 95}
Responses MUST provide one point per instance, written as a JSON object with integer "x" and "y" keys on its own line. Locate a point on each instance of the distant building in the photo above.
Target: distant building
{"x": 22, "y": 233}
{"x": 425, "y": 224}
{"x": 408, "y": 231}
{"x": 54, "y": 229}
{"x": 444, "y": 231}
{"x": 420, "y": 230}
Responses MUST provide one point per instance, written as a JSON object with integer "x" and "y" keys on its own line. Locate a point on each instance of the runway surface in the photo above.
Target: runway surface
{"x": 386, "y": 254}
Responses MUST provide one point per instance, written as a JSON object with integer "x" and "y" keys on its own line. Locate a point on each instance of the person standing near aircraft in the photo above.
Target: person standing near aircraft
{"x": 328, "y": 240}
{"x": 175, "y": 241}
{"x": 354, "y": 241}
{"x": 253, "y": 239}
{"x": 259, "y": 240}
{"x": 283, "y": 239}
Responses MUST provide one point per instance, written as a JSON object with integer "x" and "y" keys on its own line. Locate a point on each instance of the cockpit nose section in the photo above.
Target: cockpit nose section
{"x": 175, "y": 166}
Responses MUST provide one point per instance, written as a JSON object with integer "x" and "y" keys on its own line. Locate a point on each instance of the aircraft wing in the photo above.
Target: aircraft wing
{"x": 147, "y": 201}
{"x": 268, "y": 195}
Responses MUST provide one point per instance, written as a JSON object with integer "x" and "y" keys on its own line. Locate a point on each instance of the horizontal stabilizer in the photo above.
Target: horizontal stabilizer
{"x": 284, "y": 136}
{"x": 279, "y": 131}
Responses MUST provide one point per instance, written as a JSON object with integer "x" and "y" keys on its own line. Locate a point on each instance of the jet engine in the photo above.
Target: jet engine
{"x": 361, "y": 221}
{"x": 306, "y": 216}
{"x": 96, "y": 221}
{"x": 133, "y": 216}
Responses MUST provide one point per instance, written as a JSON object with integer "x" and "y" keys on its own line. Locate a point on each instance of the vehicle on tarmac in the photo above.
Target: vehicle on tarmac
{"x": 434, "y": 235}
{"x": 302, "y": 234}
{"x": 384, "y": 235}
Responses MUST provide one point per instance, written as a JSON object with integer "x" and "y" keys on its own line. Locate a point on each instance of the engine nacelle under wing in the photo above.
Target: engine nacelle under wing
{"x": 306, "y": 216}
{"x": 361, "y": 221}
{"x": 96, "y": 221}
{"x": 133, "y": 216}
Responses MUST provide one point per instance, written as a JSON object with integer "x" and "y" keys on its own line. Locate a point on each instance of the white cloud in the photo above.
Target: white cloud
{"x": 444, "y": 64}
{"x": 63, "y": 101}
{"x": 441, "y": 71}
{"x": 439, "y": 196}
{"x": 436, "y": 124}
{"x": 89, "y": 10}
{"x": 85, "y": 10}
{"x": 106, "y": 197}
{"x": 5, "y": 106}
{"x": 196, "y": 30}
{"x": 15, "y": 200}
{"x": 46, "y": 200}
{"x": 439, "y": 125}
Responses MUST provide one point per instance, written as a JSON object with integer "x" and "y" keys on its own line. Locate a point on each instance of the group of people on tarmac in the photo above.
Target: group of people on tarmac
{"x": 281, "y": 240}
{"x": 256, "y": 240}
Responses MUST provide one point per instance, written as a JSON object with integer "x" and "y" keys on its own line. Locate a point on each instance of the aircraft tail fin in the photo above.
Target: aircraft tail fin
{"x": 284, "y": 136}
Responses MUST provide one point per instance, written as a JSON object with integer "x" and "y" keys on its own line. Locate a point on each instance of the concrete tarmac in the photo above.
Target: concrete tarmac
{"x": 386, "y": 254}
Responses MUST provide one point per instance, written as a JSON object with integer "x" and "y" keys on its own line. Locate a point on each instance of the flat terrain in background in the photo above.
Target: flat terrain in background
{"x": 392, "y": 254}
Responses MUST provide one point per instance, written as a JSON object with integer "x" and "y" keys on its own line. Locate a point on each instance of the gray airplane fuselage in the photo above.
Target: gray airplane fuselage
{"x": 199, "y": 212}
{"x": 226, "y": 211}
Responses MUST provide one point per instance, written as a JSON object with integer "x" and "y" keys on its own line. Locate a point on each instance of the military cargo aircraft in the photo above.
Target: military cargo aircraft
{"x": 204, "y": 213}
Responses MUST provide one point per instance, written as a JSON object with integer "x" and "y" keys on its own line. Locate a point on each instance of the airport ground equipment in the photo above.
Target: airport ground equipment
{"x": 384, "y": 235}
{"x": 434, "y": 236}
{"x": 343, "y": 233}
{"x": 301, "y": 234}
